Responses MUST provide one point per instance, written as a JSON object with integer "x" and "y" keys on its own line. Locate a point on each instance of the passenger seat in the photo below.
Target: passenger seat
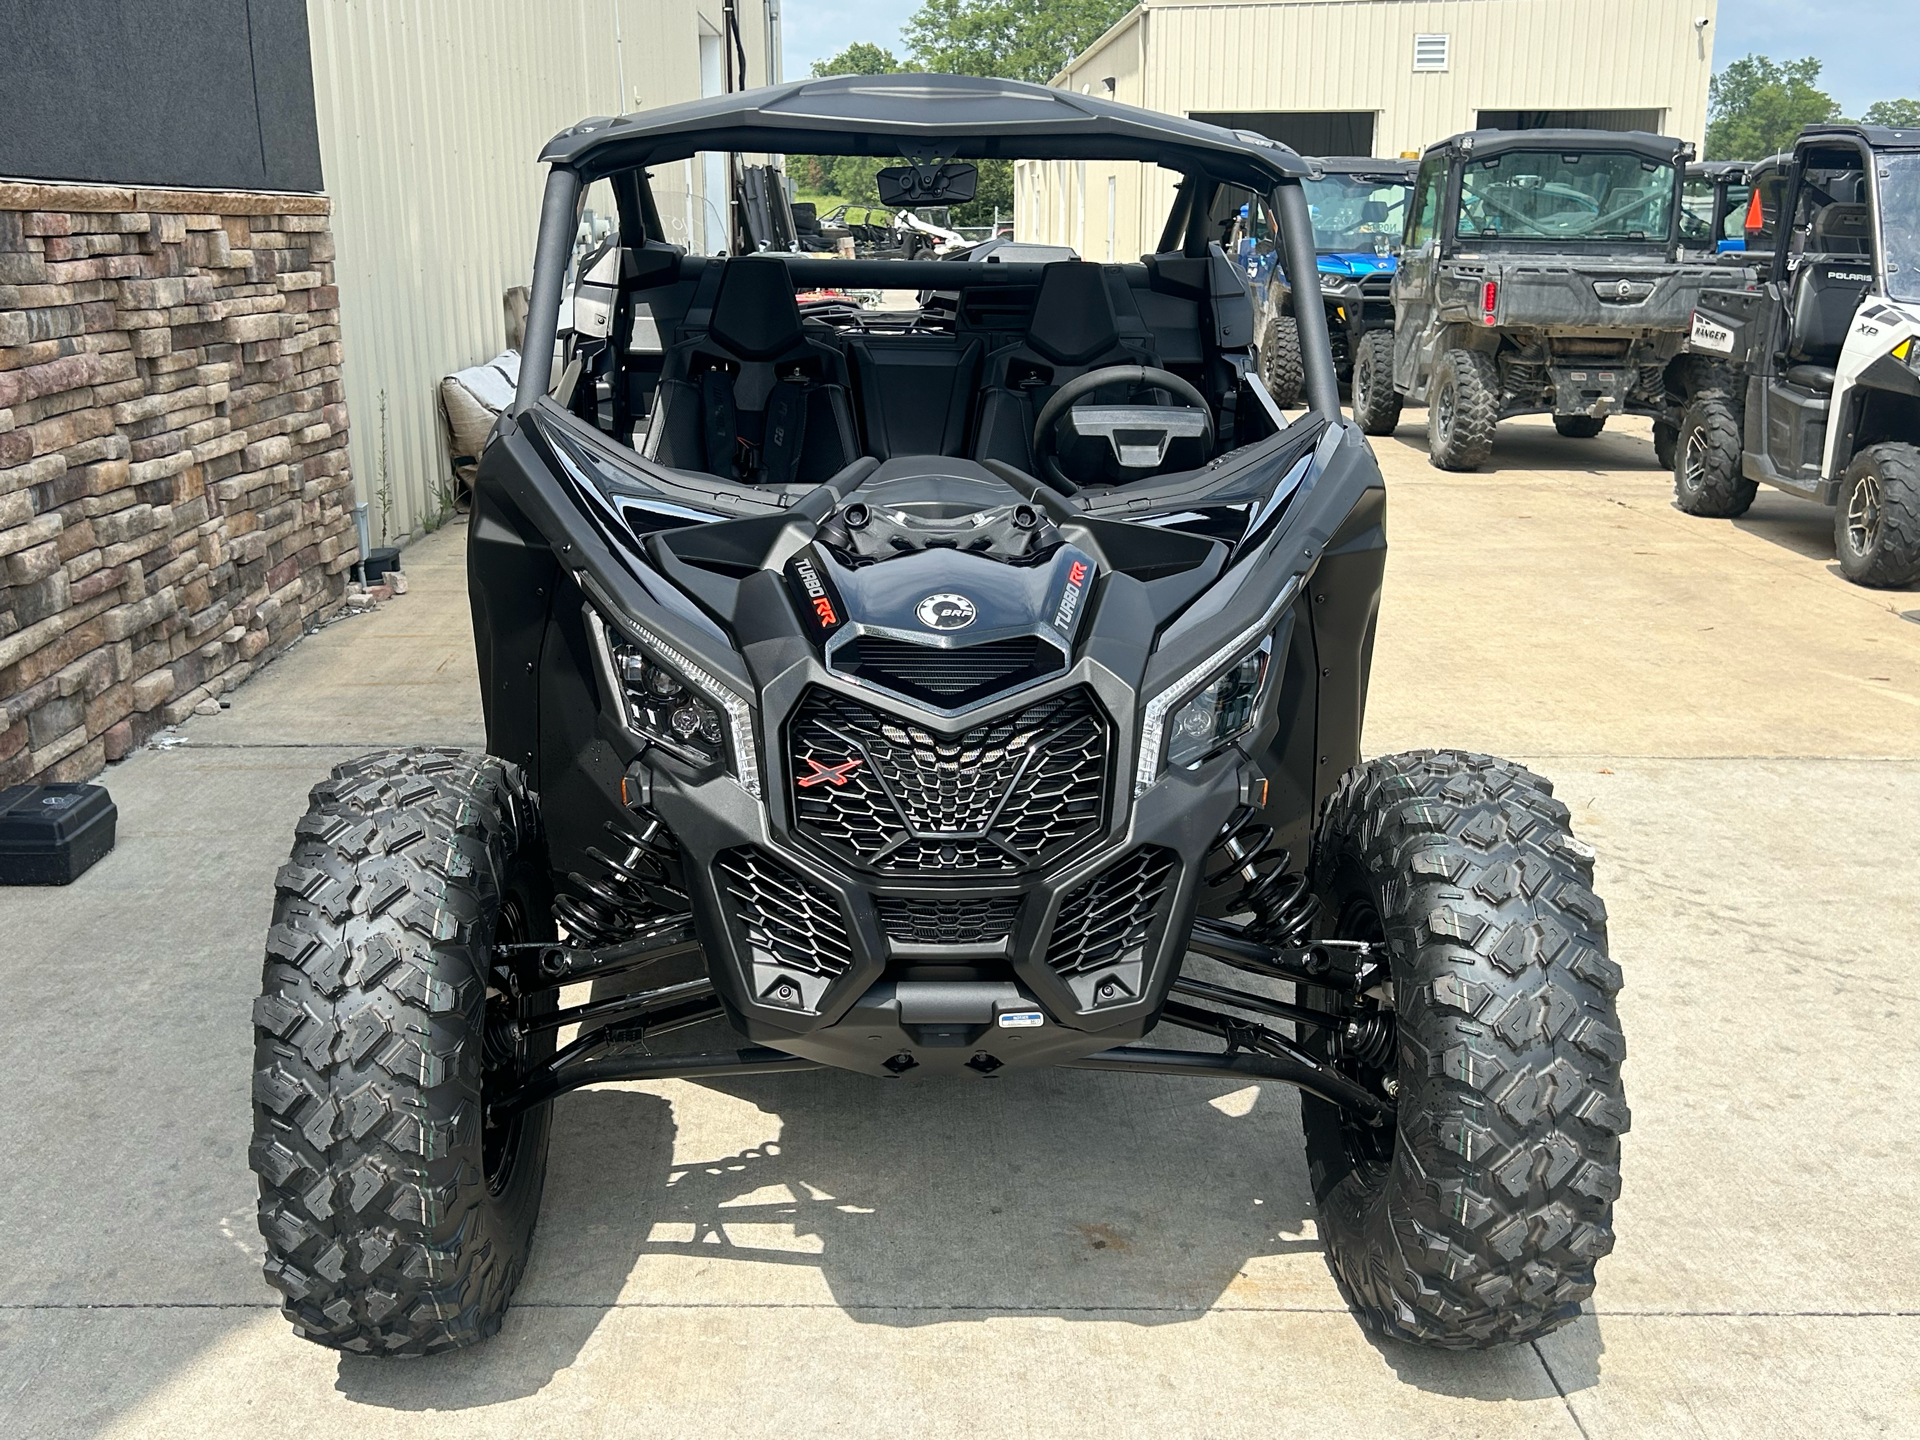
{"x": 754, "y": 399}
{"x": 1826, "y": 293}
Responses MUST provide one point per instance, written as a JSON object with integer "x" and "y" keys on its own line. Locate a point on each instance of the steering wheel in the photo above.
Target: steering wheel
{"x": 1046, "y": 428}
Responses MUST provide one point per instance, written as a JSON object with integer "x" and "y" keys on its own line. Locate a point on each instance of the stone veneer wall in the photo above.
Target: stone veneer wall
{"x": 175, "y": 501}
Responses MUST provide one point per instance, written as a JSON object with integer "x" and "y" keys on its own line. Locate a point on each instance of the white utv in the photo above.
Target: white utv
{"x": 1808, "y": 377}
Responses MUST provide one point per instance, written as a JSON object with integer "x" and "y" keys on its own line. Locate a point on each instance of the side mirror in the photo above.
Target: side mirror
{"x": 911, "y": 186}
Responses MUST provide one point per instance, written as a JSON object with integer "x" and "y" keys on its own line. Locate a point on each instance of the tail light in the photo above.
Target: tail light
{"x": 1489, "y": 300}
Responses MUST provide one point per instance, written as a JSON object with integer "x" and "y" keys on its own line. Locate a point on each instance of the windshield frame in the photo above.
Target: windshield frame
{"x": 1462, "y": 162}
{"x": 1897, "y": 263}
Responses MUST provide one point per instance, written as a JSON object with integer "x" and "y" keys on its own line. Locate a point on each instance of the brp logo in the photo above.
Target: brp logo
{"x": 946, "y": 611}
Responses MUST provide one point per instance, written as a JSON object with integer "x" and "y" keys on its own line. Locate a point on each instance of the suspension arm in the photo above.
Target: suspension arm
{"x": 1244, "y": 1000}
{"x": 1234, "y": 1065}
{"x": 756, "y": 1059}
{"x": 569, "y": 964}
{"x": 1342, "y": 965}
{"x": 648, "y": 1001}
{"x": 1327, "y": 1083}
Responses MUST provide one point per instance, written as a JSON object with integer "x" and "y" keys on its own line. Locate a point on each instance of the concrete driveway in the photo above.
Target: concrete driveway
{"x": 1070, "y": 1253}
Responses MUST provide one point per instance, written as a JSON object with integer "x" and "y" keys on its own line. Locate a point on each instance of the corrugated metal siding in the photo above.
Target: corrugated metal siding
{"x": 431, "y": 115}
{"x": 1358, "y": 55}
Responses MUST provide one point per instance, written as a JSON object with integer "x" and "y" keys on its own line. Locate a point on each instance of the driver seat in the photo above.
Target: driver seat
{"x": 1073, "y": 329}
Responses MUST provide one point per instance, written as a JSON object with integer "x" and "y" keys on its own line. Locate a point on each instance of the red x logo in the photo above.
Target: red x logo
{"x": 823, "y": 773}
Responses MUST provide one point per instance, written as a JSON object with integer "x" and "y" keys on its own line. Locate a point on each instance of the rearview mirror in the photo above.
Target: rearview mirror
{"x": 1373, "y": 212}
{"x": 915, "y": 185}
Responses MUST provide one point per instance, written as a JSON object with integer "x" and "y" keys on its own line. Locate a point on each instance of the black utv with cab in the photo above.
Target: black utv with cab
{"x": 1808, "y": 378}
{"x": 943, "y": 683}
{"x": 1540, "y": 272}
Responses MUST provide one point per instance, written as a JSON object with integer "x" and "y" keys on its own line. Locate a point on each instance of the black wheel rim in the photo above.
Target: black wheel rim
{"x": 1863, "y": 515}
{"x": 1366, "y": 1049}
{"x": 504, "y": 1053}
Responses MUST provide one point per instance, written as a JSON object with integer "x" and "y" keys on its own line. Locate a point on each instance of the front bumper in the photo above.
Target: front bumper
{"x": 932, "y": 972}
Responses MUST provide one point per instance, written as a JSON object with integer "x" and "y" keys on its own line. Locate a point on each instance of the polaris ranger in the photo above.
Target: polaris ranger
{"x": 932, "y": 687}
{"x": 1540, "y": 272}
{"x": 1809, "y": 380}
{"x": 1359, "y": 209}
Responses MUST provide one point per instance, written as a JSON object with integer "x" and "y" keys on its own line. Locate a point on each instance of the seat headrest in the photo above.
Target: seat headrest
{"x": 755, "y": 315}
{"x": 1073, "y": 318}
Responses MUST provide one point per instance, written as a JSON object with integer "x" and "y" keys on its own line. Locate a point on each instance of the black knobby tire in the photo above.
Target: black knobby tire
{"x": 1579, "y": 427}
{"x": 1477, "y": 1218}
{"x": 1665, "y": 439}
{"x": 1463, "y": 405}
{"x": 1876, "y": 523}
{"x": 1376, "y": 404}
{"x": 397, "y": 1222}
{"x": 1706, "y": 461}
{"x": 1281, "y": 367}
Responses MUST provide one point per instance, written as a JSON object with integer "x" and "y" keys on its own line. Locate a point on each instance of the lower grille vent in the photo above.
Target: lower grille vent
{"x": 948, "y": 922}
{"x": 1104, "y": 924}
{"x": 789, "y": 921}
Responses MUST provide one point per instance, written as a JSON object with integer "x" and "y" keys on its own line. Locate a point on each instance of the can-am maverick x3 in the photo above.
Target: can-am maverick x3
{"x": 945, "y": 682}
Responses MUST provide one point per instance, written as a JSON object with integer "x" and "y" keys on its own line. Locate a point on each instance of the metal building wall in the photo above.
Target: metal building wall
{"x": 1186, "y": 56}
{"x": 431, "y": 114}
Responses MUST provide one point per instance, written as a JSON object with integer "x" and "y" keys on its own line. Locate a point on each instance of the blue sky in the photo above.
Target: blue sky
{"x": 1856, "y": 74}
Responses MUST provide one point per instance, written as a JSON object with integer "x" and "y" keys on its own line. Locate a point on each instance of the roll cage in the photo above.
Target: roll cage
{"x": 921, "y": 117}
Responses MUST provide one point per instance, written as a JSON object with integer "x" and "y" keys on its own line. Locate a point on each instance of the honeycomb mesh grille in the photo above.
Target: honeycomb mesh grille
{"x": 1105, "y": 921}
{"x": 1007, "y": 795}
{"x": 948, "y": 922}
{"x": 789, "y": 921}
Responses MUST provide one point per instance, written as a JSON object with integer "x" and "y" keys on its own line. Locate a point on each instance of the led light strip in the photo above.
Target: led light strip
{"x": 1154, "y": 724}
{"x": 739, "y": 713}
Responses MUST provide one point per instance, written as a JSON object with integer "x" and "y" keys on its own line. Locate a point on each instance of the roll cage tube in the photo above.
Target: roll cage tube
{"x": 550, "y": 255}
{"x": 1309, "y": 311}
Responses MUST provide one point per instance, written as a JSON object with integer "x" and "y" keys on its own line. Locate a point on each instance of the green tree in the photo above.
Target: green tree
{"x": 1013, "y": 39}
{"x": 1899, "y": 114}
{"x": 860, "y": 58}
{"x": 1755, "y": 106}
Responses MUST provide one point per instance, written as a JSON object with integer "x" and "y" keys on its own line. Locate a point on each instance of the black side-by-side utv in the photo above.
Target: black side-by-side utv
{"x": 943, "y": 682}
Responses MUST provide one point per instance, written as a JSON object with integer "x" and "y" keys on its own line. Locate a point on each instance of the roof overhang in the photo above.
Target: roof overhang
{"x": 920, "y": 116}
{"x": 1366, "y": 165}
{"x": 1633, "y": 142}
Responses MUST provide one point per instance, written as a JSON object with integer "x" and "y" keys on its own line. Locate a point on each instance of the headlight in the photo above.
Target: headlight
{"x": 674, "y": 703}
{"x": 1214, "y": 703}
{"x": 1225, "y": 710}
{"x": 662, "y": 707}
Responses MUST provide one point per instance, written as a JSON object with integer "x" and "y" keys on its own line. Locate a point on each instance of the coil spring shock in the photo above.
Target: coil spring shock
{"x": 601, "y": 910}
{"x": 1282, "y": 903}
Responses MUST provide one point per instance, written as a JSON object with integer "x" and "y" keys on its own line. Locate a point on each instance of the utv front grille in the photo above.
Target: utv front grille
{"x": 948, "y": 922}
{"x": 948, "y": 679}
{"x": 1377, "y": 287}
{"x": 1105, "y": 922}
{"x": 789, "y": 922}
{"x": 1007, "y": 795}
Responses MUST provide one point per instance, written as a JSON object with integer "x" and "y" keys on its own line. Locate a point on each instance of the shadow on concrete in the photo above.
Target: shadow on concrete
{"x": 1064, "y": 1194}
{"x": 611, "y": 1150}
{"x": 1565, "y": 1363}
{"x": 1798, "y": 526}
{"x": 1527, "y": 444}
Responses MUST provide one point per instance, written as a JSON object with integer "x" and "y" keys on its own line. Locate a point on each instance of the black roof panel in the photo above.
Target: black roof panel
{"x": 956, "y": 116}
{"x": 1499, "y": 142}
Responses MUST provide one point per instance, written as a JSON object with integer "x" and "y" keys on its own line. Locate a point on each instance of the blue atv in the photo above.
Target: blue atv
{"x": 1359, "y": 206}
